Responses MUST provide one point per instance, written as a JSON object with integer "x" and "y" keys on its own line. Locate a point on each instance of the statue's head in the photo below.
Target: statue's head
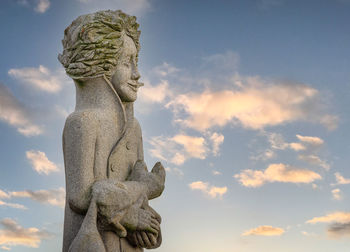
{"x": 104, "y": 44}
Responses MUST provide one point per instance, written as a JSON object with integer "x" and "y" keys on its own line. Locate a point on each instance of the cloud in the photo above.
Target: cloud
{"x": 42, "y": 6}
{"x": 340, "y": 179}
{"x": 217, "y": 139}
{"x": 211, "y": 191}
{"x": 16, "y": 114}
{"x": 276, "y": 173}
{"x": 40, "y": 78}
{"x": 338, "y": 230}
{"x": 314, "y": 160}
{"x": 154, "y": 94}
{"x": 40, "y": 162}
{"x": 175, "y": 171}
{"x": 340, "y": 217}
{"x": 310, "y": 140}
{"x": 227, "y": 61}
{"x": 165, "y": 70}
{"x": 216, "y": 173}
{"x": 265, "y": 231}
{"x": 12, "y": 234}
{"x": 340, "y": 223}
{"x": 179, "y": 148}
{"x": 12, "y": 205}
{"x": 55, "y": 197}
{"x": 336, "y": 193}
{"x": 254, "y": 106}
{"x": 4, "y": 195}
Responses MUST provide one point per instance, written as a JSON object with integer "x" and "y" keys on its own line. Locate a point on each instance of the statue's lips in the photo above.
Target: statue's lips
{"x": 135, "y": 85}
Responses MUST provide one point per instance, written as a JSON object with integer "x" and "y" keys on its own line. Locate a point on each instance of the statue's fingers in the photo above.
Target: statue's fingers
{"x": 140, "y": 240}
{"x": 155, "y": 224}
{"x": 152, "y": 238}
{"x": 145, "y": 239}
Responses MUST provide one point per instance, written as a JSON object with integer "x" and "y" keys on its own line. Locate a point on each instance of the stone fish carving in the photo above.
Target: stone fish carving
{"x": 107, "y": 182}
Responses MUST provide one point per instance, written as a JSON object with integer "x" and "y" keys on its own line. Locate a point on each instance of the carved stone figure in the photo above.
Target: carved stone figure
{"x": 107, "y": 182}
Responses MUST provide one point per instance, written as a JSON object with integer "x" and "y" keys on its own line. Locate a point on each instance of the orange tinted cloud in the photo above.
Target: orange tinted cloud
{"x": 255, "y": 106}
{"x": 276, "y": 173}
{"x": 12, "y": 234}
{"x": 265, "y": 231}
{"x": 212, "y": 191}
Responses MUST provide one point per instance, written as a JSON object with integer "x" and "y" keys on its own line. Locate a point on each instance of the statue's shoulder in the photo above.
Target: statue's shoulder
{"x": 82, "y": 120}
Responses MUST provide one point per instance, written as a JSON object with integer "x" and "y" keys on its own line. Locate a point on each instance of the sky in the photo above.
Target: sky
{"x": 246, "y": 103}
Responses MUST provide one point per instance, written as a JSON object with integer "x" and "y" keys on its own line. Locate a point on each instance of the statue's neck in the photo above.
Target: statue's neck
{"x": 97, "y": 94}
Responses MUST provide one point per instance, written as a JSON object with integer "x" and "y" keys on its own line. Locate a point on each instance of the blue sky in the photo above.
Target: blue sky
{"x": 246, "y": 103}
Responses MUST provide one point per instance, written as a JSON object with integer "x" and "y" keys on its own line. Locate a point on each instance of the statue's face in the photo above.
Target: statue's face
{"x": 125, "y": 78}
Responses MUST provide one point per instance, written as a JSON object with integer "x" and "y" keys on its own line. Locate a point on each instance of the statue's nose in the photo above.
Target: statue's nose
{"x": 135, "y": 74}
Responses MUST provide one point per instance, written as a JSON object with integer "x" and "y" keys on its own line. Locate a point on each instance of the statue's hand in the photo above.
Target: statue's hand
{"x": 144, "y": 239}
{"x": 153, "y": 180}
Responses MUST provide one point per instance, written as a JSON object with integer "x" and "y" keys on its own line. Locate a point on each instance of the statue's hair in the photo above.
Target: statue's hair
{"x": 92, "y": 43}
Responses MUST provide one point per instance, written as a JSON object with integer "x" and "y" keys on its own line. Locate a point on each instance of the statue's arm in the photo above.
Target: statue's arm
{"x": 79, "y": 138}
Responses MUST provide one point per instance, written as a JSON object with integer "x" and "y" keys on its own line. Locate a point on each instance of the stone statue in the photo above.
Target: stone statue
{"x": 107, "y": 182}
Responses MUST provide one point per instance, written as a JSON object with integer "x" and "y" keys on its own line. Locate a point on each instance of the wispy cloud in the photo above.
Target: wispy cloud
{"x": 165, "y": 70}
{"x": 16, "y": 114}
{"x": 12, "y": 234}
{"x": 40, "y": 162}
{"x": 42, "y": 6}
{"x": 55, "y": 197}
{"x": 265, "y": 231}
{"x": 340, "y": 223}
{"x": 181, "y": 147}
{"x": 338, "y": 230}
{"x": 276, "y": 173}
{"x": 340, "y": 179}
{"x": 12, "y": 205}
{"x": 176, "y": 171}
{"x": 255, "y": 106}
{"x": 337, "y": 194}
{"x": 206, "y": 188}
{"x": 40, "y": 78}
{"x": 340, "y": 217}
{"x": 314, "y": 160}
{"x": 154, "y": 94}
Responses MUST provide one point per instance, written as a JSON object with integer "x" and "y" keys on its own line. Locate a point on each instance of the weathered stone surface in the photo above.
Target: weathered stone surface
{"x": 107, "y": 182}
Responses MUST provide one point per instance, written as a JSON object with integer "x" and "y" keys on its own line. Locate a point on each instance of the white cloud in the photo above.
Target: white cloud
{"x": 42, "y": 6}
{"x": 165, "y": 69}
{"x": 179, "y": 148}
{"x": 175, "y": 171}
{"x": 314, "y": 160}
{"x": 265, "y": 231}
{"x": 4, "y": 195}
{"x": 337, "y": 194}
{"x": 254, "y": 106}
{"x": 12, "y": 234}
{"x": 16, "y": 114}
{"x": 216, "y": 173}
{"x": 227, "y": 61}
{"x": 40, "y": 78}
{"x": 12, "y": 205}
{"x": 310, "y": 140}
{"x": 276, "y": 173}
{"x": 340, "y": 223}
{"x": 211, "y": 191}
{"x": 40, "y": 162}
{"x": 340, "y": 217}
{"x": 55, "y": 197}
{"x": 154, "y": 94}
{"x": 340, "y": 179}
{"x": 217, "y": 139}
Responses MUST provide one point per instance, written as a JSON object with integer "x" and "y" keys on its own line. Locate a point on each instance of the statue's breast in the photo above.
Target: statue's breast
{"x": 123, "y": 155}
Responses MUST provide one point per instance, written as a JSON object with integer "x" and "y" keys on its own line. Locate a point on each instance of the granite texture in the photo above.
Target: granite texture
{"x": 108, "y": 185}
